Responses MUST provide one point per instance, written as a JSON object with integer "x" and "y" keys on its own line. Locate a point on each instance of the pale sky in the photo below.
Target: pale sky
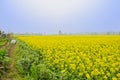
{"x": 69, "y": 16}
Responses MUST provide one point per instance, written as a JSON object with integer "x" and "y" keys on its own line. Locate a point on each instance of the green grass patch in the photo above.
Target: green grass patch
{"x": 30, "y": 65}
{"x": 4, "y": 62}
{"x": 3, "y": 42}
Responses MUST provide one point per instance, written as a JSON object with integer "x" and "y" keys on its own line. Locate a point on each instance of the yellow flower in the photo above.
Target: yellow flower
{"x": 63, "y": 71}
{"x": 118, "y": 75}
{"x": 83, "y": 67}
{"x": 108, "y": 74}
{"x": 73, "y": 66}
{"x": 114, "y": 78}
{"x": 88, "y": 76}
{"x": 112, "y": 70}
{"x": 105, "y": 77}
{"x": 95, "y": 72}
{"x": 80, "y": 74}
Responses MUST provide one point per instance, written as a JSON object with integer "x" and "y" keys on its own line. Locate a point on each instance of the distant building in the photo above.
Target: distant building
{"x": 60, "y": 32}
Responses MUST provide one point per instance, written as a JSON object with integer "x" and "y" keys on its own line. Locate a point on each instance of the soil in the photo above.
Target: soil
{"x": 10, "y": 51}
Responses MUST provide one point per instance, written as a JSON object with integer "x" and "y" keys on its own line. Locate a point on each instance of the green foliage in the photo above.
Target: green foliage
{"x": 2, "y": 54}
{"x": 40, "y": 72}
{"x": 2, "y": 42}
{"x": 30, "y": 64}
{"x": 4, "y": 61}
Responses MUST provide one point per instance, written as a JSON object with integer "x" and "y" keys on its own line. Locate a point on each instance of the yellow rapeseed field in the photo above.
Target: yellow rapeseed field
{"x": 79, "y": 57}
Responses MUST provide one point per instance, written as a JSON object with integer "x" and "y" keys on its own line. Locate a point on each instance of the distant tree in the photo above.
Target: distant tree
{"x": 2, "y": 33}
{"x": 119, "y": 33}
{"x": 108, "y": 33}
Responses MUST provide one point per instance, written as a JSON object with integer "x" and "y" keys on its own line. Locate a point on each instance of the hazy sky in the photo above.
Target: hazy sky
{"x": 69, "y": 16}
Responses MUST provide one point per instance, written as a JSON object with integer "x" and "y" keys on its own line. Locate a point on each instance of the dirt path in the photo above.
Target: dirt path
{"x": 11, "y": 73}
{"x": 10, "y": 53}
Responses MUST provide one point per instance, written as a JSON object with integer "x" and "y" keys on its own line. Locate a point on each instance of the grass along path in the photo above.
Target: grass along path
{"x": 12, "y": 73}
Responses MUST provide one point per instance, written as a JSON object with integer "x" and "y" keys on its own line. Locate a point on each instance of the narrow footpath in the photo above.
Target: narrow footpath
{"x": 12, "y": 73}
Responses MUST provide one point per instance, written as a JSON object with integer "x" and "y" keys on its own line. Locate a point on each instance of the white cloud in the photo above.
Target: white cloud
{"x": 54, "y": 8}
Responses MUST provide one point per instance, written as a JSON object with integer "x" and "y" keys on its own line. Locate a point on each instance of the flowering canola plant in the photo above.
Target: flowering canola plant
{"x": 79, "y": 57}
